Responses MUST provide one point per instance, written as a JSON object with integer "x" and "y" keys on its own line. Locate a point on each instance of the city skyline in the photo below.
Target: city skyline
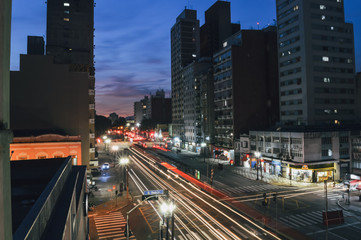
{"x": 132, "y": 43}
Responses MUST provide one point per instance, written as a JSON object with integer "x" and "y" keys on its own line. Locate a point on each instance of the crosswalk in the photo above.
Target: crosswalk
{"x": 307, "y": 219}
{"x": 330, "y": 196}
{"x": 250, "y": 188}
{"x": 111, "y": 226}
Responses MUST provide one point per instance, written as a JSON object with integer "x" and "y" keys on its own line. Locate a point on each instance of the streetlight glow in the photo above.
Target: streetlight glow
{"x": 115, "y": 148}
{"x": 124, "y": 161}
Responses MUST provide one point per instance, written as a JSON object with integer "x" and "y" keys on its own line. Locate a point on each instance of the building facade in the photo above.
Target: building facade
{"x": 70, "y": 39}
{"x": 245, "y": 85}
{"x": 316, "y": 63}
{"x": 58, "y": 105}
{"x": 308, "y": 156}
{"x": 160, "y": 108}
{"x": 46, "y": 146}
{"x": 5, "y": 133}
{"x": 184, "y": 50}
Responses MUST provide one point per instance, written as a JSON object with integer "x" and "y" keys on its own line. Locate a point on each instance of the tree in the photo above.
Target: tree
{"x": 102, "y": 124}
{"x": 119, "y": 122}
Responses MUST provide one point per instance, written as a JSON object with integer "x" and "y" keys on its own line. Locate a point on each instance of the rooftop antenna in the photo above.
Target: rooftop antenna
{"x": 189, "y": 5}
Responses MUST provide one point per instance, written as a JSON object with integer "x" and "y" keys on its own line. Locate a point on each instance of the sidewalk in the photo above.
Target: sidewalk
{"x": 250, "y": 173}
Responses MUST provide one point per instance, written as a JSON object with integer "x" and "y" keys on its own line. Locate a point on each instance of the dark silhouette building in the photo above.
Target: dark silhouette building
{"x": 217, "y": 28}
{"x": 161, "y": 108}
{"x": 184, "y": 50}
{"x": 36, "y": 45}
{"x": 245, "y": 85}
{"x": 70, "y": 40}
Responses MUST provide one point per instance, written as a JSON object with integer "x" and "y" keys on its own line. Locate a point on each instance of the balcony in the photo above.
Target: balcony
{"x": 91, "y": 150}
{"x": 91, "y": 135}
{"x": 92, "y": 121}
{"x": 91, "y": 92}
{"x": 91, "y": 106}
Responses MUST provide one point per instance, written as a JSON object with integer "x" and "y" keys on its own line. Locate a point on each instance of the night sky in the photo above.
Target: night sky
{"x": 132, "y": 41}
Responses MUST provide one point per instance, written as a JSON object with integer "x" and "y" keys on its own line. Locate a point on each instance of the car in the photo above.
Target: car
{"x": 106, "y": 166}
{"x": 95, "y": 172}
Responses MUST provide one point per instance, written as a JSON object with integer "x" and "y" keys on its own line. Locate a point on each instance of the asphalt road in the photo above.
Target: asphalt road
{"x": 295, "y": 208}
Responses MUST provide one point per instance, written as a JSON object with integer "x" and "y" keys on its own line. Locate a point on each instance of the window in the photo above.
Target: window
{"x": 322, "y": 7}
{"x": 66, "y": 4}
{"x": 325, "y": 59}
{"x": 326, "y": 79}
{"x": 326, "y": 140}
{"x": 66, "y": 19}
{"x": 323, "y": 17}
{"x": 66, "y": 12}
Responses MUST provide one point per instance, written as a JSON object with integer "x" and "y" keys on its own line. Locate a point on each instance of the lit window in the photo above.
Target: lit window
{"x": 325, "y": 59}
{"x": 66, "y": 19}
{"x": 66, "y": 12}
{"x": 193, "y": 55}
{"x": 326, "y": 79}
{"x": 66, "y": 4}
{"x": 332, "y": 28}
{"x": 327, "y": 111}
{"x": 335, "y": 111}
{"x": 338, "y": 0}
{"x": 322, "y": 7}
{"x": 295, "y": 8}
{"x": 323, "y": 17}
{"x": 349, "y": 60}
{"x": 225, "y": 44}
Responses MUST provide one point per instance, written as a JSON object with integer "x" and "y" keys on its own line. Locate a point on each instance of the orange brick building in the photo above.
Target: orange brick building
{"x": 46, "y": 146}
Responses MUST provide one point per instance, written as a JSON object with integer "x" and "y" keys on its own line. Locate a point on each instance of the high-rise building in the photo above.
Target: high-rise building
{"x": 316, "y": 63}
{"x": 217, "y": 28}
{"x": 70, "y": 31}
{"x": 5, "y": 133}
{"x": 184, "y": 50}
{"x": 36, "y": 45}
{"x": 70, "y": 39}
{"x": 245, "y": 85}
{"x": 160, "y": 108}
{"x": 197, "y": 80}
{"x": 142, "y": 110}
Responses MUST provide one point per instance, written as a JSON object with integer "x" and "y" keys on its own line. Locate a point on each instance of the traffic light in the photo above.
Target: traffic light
{"x": 247, "y": 156}
{"x": 231, "y": 162}
{"x": 275, "y": 197}
{"x": 264, "y": 202}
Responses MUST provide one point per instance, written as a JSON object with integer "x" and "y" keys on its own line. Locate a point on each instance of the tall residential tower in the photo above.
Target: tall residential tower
{"x": 316, "y": 63}
{"x": 184, "y": 50}
{"x": 70, "y": 39}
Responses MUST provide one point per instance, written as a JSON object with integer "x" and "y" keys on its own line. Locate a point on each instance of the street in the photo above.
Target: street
{"x": 234, "y": 207}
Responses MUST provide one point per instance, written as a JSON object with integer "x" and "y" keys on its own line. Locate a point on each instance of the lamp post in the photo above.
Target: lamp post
{"x": 257, "y": 155}
{"x": 124, "y": 162}
{"x": 167, "y": 208}
{"x": 107, "y": 142}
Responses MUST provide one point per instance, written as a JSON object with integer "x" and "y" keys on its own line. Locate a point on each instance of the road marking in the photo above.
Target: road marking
{"x": 239, "y": 232}
{"x": 110, "y": 226}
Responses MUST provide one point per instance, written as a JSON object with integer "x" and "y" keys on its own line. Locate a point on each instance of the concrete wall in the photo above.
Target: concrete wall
{"x": 5, "y": 135}
{"x": 36, "y": 220}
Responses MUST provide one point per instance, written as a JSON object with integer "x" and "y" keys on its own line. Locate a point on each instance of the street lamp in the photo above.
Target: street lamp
{"x": 167, "y": 208}
{"x": 124, "y": 162}
{"x": 257, "y": 155}
{"x": 107, "y": 142}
